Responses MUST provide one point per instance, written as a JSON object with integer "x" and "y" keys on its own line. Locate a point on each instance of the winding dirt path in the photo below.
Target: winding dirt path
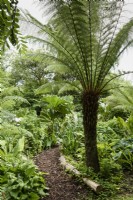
{"x": 61, "y": 185}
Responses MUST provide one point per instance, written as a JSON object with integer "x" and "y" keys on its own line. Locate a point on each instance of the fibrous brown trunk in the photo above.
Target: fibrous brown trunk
{"x": 90, "y": 110}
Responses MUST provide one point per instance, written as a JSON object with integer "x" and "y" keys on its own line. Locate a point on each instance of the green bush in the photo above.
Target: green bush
{"x": 19, "y": 178}
{"x": 110, "y": 130}
{"x": 42, "y": 137}
{"x": 109, "y": 167}
{"x": 124, "y": 153}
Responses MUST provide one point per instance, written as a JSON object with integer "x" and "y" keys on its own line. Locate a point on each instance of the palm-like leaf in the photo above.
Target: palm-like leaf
{"x": 16, "y": 99}
{"x": 121, "y": 98}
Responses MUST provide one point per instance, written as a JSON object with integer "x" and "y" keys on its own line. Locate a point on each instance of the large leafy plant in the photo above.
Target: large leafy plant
{"x": 56, "y": 107}
{"x": 124, "y": 153}
{"x": 85, "y": 38}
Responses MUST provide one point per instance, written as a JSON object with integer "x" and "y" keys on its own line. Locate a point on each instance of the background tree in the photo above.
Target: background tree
{"x": 27, "y": 73}
{"x": 87, "y": 38}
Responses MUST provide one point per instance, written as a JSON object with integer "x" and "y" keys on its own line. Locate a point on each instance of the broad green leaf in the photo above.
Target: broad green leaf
{"x": 34, "y": 196}
{"x": 20, "y": 146}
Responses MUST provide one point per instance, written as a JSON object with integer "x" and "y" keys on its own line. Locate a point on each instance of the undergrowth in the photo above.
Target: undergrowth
{"x": 115, "y": 154}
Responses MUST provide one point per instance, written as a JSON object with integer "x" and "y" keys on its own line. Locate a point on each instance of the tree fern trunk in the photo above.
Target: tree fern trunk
{"x": 90, "y": 109}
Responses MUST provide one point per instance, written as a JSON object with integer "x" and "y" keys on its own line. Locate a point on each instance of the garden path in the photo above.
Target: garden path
{"x": 62, "y": 186}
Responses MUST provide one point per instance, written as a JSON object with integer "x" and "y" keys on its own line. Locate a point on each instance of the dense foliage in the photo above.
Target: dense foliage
{"x": 19, "y": 177}
{"x": 57, "y": 122}
{"x": 36, "y": 114}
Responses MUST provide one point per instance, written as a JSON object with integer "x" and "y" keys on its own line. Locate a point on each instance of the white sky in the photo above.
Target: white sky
{"x": 126, "y": 60}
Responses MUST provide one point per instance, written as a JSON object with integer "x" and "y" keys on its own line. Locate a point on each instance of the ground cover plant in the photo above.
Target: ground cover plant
{"x": 19, "y": 177}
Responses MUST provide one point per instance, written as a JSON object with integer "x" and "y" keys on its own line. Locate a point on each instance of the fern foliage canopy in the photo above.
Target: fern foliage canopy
{"x": 84, "y": 37}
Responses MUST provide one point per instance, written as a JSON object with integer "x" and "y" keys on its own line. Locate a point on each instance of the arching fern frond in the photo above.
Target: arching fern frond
{"x": 122, "y": 97}
{"x": 16, "y": 99}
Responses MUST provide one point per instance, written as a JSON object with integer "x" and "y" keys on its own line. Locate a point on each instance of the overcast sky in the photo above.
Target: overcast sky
{"x": 126, "y": 60}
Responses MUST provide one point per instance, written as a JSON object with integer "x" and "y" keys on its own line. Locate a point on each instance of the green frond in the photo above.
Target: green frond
{"x": 48, "y": 88}
{"x": 110, "y": 78}
{"x": 74, "y": 86}
{"x": 120, "y": 41}
{"x": 9, "y": 91}
{"x": 122, "y": 97}
{"x": 6, "y": 115}
{"x": 58, "y": 68}
{"x": 15, "y": 131}
{"x": 59, "y": 87}
{"x": 84, "y": 37}
{"x": 16, "y": 99}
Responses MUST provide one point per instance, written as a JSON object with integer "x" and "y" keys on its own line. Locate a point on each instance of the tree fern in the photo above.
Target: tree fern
{"x": 88, "y": 37}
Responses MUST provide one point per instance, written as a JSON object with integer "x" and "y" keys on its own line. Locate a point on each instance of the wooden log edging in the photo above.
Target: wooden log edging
{"x": 92, "y": 184}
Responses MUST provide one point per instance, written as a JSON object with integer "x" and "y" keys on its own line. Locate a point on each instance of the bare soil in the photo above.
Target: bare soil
{"x": 62, "y": 186}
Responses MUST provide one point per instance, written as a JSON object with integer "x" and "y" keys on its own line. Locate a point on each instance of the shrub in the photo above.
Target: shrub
{"x": 20, "y": 179}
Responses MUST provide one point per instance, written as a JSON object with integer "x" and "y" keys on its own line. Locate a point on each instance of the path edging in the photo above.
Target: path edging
{"x": 92, "y": 184}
